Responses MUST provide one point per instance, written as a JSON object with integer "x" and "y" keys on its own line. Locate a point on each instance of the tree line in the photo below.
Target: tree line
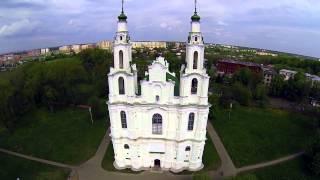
{"x": 80, "y": 79}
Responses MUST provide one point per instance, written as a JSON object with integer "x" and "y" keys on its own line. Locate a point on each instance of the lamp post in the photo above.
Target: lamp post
{"x": 91, "y": 115}
{"x": 230, "y": 110}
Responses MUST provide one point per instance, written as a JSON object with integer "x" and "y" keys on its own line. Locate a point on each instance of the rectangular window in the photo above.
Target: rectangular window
{"x": 190, "y": 125}
{"x": 157, "y": 128}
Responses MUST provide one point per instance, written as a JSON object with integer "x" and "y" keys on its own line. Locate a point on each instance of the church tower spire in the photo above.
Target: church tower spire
{"x": 123, "y": 76}
{"x": 195, "y": 16}
{"x": 194, "y": 76}
{"x": 122, "y": 45}
{"x": 122, "y": 16}
{"x": 195, "y": 45}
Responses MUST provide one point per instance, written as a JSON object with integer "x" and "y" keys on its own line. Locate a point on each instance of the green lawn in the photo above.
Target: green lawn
{"x": 13, "y": 167}
{"x": 64, "y": 136}
{"x": 254, "y": 135}
{"x": 211, "y": 159}
{"x": 290, "y": 170}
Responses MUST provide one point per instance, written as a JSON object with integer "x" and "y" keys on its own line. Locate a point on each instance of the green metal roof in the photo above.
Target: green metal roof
{"x": 122, "y": 17}
{"x": 195, "y": 17}
{"x": 176, "y": 84}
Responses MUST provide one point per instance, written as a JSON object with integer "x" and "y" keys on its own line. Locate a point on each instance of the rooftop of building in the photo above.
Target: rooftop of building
{"x": 239, "y": 62}
{"x": 288, "y": 71}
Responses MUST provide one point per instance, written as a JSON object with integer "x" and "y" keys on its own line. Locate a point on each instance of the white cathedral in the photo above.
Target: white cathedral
{"x": 159, "y": 122}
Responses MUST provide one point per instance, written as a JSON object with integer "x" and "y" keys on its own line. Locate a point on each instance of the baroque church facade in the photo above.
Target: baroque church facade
{"x": 159, "y": 122}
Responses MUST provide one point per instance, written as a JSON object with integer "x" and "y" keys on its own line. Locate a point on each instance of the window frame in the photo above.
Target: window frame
{"x": 157, "y": 122}
{"x": 191, "y": 121}
{"x": 126, "y": 146}
{"x": 123, "y": 118}
{"x": 121, "y": 55}
{"x": 194, "y": 86}
{"x": 195, "y": 59}
{"x": 121, "y": 83}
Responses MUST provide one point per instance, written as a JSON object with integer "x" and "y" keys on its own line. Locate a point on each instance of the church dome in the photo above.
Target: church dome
{"x": 195, "y": 17}
{"x": 122, "y": 17}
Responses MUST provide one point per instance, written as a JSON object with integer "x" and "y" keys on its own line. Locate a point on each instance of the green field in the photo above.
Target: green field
{"x": 290, "y": 170}
{"x": 254, "y": 135}
{"x": 211, "y": 159}
{"x": 65, "y": 136}
{"x": 13, "y": 167}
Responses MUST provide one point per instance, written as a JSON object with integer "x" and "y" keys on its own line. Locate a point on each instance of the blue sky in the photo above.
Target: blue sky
{"x": 284, "y": 25}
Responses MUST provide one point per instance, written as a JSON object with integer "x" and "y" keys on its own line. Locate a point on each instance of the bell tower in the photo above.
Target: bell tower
{"x": 123, "y": 76}
{"x": 195, "y": 45}
{"x": 122, "y": 46}
{"x": 194, "y": 79}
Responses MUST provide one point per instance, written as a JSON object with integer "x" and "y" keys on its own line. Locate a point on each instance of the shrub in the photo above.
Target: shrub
{"x": 98, "y": 107}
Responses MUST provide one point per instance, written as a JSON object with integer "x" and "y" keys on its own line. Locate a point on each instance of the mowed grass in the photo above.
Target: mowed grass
{"x": 65, "y": 136}
{"x": 13, "y": 167}
{"x": 210, "y": 159}
{"x": 290, "y": 170}
{"x": 254, "y": 135}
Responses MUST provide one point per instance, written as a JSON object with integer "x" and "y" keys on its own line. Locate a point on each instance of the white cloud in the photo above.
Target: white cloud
{"x": 16, "y": 28}
{"x": 222, "y": 23}
{"x": 164, "y": 25}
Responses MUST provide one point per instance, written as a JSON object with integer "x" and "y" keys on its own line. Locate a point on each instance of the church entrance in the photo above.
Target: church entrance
{"x": 157, "y": 163}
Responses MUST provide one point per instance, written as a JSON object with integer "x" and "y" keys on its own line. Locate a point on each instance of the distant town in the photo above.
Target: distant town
{"x": 11, "y": 60}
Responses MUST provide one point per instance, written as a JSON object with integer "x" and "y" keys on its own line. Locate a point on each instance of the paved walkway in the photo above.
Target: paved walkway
{"x": 269, "y": 163}
{"x": 227, "y": 167}
{"x": 37, "y": 159}
{"x": 92, "y": 169}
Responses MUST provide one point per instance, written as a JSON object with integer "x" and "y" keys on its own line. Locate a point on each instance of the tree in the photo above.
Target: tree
{"x": 98, "y": 107}
{"x": 6, "y": 93}
{"x": 276, "y": 86}
{"x": 243, "y": 76}
{"x": 260, "y": 94}
{"x": 241, "y": 94}
{"x": 315, "y": 91}
{"x": 297, "y": 88}
{"x": 92, "y": 57}
{"x": 226, "y": 97}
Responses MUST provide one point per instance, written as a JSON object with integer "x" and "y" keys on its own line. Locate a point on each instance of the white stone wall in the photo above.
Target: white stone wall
{"x": 172, "y": 154}
{"x": 170, "y": 146}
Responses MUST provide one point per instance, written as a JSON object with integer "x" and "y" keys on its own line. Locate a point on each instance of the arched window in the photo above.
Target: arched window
{"x": 191, "y": 122}
{"x": 121, "y": 85}
{"x": 157, "y": 124}
{"x": 188, "y": 148}
{"x": 194, "y": 86}
{"x": 157, "y": 98}
{"x": 121, "y": 59}
{"x": 196, "y": 39}
{"x": 126, "y": 146}
{"x": 123, "y": 119}
{"x": 120, "y": 38}
{"x": 195, "y": 59}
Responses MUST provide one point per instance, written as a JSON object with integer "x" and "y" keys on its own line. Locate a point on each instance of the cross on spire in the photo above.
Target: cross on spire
{"x": 122, "y": 5}
{"x": 195, "y": 17}
{"x": 195, "y": 6}
{"x": 122, "y": 16}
